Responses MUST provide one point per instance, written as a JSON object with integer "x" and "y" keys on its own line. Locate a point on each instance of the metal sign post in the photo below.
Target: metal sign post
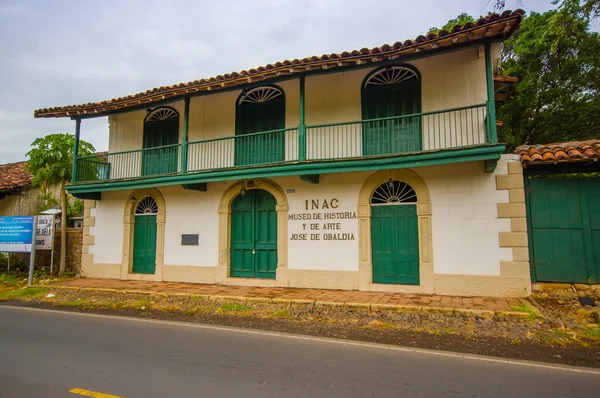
{"x": 32, "y": 256}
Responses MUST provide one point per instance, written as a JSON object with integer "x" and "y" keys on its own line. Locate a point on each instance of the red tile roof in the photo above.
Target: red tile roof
{"x": 14, "y": 176}
{"x": 565, "y": 152}
{"x": 491, "y": 26}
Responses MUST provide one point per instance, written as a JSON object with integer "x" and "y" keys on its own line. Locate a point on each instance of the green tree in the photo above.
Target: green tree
{"x": 585, "y": 8}
{"x": 50, "y": 163}
{"x": 556, "y": 58}
{"x": 459, "y": 20}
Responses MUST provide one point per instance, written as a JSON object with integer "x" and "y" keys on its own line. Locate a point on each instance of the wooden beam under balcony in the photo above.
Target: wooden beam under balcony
{"x": 310, "y": 178}
{"x": 202, "y": 187}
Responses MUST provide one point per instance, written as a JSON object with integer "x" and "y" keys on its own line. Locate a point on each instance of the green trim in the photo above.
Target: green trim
{"x": 484, "y": 152}
{"x": 310, "y": 178}
{"x": 491, "y": 101}
{"x": 302, "y": 123}
{"x": 184, "y": 138}
{"x": 312, "y": 72}
{"x": 76, "y": 150}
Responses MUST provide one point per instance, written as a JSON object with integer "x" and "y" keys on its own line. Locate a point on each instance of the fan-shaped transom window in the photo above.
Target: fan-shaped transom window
{"x": 146, "y": 206}
{"x": 162, "y": 114}
{"x": 260, "y": 94}
{"x": 394, "y": 192}
{"x": 391, "y": 75}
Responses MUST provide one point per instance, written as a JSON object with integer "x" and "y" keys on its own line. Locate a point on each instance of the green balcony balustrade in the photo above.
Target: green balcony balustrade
{"x": 421, "y": 132}
{"x": 415, "y": 133}
{"x": 267, "y": 147}
{"x": 129, "y": 164}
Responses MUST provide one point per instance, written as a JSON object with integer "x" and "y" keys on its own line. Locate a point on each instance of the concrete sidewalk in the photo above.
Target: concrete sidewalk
{"x": 372, "y": 300}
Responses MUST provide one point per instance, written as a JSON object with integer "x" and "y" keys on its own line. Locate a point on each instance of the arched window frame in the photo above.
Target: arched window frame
{"x": 150, "y": 203}
{"x": 394, "y": 192}
{"x": 268, "y": 148}
{"x": 372, "y": 98}
{"x": 152, "y": 112}
{"x": 377, "y": 71}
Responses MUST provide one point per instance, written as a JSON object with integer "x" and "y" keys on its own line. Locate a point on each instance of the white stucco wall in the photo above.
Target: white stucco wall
{"x": 108, "y": 229}
{"x": 192, "y": 212}
{"x": 335, "y": 255}
{"x": 464, "y": 212}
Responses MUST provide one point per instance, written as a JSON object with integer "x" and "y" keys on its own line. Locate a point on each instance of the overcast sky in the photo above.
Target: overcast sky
{"x": 65, "y": 52}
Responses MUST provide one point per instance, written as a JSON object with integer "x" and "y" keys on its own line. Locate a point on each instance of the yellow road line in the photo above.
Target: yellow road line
{"x": 93, "y": 394}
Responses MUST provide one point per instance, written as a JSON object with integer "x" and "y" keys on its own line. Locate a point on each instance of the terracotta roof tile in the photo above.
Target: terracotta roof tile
{"x": 14, "y": 176}
{"x": 491, "y": 26}
{"x": 565, "y": 152}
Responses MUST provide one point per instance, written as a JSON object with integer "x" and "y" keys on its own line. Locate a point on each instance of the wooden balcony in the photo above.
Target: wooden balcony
{"x": 415, "y": 136}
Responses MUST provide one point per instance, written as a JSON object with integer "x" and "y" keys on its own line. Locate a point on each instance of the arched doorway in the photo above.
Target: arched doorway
{"x": 388, "y": 92}
{"x": 260, "y": 109}
{"x": 394, "y": 234}
{"x": 161, "y": 131}
{"x": 144, "y": 236}
{"x": 253, "y": 235}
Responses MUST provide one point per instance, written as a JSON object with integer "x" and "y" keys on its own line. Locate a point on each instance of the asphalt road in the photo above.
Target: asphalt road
{"x": 47, "y": 354}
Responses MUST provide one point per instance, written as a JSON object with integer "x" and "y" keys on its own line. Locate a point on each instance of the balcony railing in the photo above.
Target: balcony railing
{"x": 421, "y": 132}
{"x": 267, "y": 147}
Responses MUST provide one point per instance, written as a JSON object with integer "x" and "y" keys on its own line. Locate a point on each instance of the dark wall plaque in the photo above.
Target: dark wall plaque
{"x": 189, "y": 240}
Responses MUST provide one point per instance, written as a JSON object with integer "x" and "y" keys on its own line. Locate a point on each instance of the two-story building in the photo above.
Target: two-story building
{"x": 376, "y": 169}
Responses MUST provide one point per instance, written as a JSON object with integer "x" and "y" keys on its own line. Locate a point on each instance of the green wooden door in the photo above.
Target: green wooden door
{"x": 565, "y": 229}
{"x": 394, "y": 136}
{"x": 255, "y": 118}
{"x": 395, "y": 244}
{"x": 144, "y": 244}
{"x": 254, "y": 235}
{"x": 160, "y": 160}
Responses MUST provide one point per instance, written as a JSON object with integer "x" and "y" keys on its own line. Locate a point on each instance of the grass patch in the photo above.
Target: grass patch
{"x": 78, "y": 302}
{"x": 554, "y": 337}
{"x": 592, "y": 333}
{"x": 235, "y": 307}
{"x": 280, "y": 314}
{"x": 27, "y": 293}
{"x": 523, "y": 308}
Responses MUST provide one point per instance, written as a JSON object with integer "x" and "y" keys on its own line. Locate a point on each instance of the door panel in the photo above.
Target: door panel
{"x": 254, "y": 235}
{"x": 563, "y": 224}
{"x": 397, "y": 135}
{"x": 256, "y": 118}
{"x": 162, "y": 160}
{"x": 395, "y": 245}
{"x": 144, "y": 245}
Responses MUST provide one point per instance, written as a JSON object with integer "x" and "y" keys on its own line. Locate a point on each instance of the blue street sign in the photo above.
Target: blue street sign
{"x": 16, "y": 233}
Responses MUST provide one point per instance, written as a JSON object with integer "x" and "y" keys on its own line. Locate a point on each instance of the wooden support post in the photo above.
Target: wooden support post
{"x": 491, "y": 105}
{"x": 76, "y": 150}
{"x": 302, "y": 125}
{"x": 184, "y": 139}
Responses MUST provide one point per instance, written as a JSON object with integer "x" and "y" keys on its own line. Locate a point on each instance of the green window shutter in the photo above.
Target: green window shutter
{"x": 255, "y": 118}
{"x": 158, "y": 134}
{"x": 392, "y": 136}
